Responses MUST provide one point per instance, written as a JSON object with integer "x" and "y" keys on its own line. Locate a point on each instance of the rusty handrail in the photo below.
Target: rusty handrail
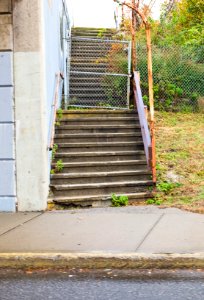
{"x": 59, "y": 77}
{"x": 146, "y": 136}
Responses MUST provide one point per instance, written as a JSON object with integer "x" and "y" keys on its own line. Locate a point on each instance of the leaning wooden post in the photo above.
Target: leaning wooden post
{"x": 133, "y": 29}
{"x": 151, "y": 99}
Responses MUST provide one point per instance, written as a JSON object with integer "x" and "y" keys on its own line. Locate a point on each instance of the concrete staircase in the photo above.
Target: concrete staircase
{"x": 102, "y": 153}
{"x": 89, "y": 50}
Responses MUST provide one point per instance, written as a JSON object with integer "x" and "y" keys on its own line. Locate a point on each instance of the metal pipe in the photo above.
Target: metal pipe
{"x": 59, "y": 76}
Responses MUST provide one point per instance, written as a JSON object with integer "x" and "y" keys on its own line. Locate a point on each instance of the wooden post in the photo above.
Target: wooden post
{"x": 133, "y": 38}
{"x": 151, "y": 100}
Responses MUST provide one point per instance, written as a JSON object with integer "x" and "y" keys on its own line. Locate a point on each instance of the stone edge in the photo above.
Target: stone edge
{"x": 101, "y": 261}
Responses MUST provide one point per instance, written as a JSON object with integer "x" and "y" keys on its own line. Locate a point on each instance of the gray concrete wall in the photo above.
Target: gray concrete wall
{"x": 30, "y": 56}
{"x": 30, "y": 106}
{"x": 7, "y": 122}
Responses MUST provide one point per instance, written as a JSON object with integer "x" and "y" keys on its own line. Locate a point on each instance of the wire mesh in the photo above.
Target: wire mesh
{"x": 99, "y": 73}
{"x": 178, "y": 77}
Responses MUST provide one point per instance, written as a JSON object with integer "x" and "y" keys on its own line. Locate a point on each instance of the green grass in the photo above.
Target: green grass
{"x": 180, "y": 150}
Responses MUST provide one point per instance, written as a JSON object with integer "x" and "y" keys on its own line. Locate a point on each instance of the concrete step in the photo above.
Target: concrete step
{"x": 92, "y": 90}
{"x": 88, "y": 53}
{"x": 83, "y": 64}
{"x": 90, "y": 45}
{"x": 96, "y": 120}
{"x": 101, "y": 113}
{"x": 85, "y": 59}
{"x": 87, "y": 100}
{"x": 101, "y": 188}
{"x": 83, "y": 83}
{"x": 100, "y": 156}
{"x": 88, "y": 69}
{"x": 93, "y": 35}
{"x": 99, "y": 200}
{"x": 102, "y": 166}
{"x": 97, "y": 128}
{"x": 97, "y": 137}
{"x": 100, "y": 177}
{"x": 97, "y": 147}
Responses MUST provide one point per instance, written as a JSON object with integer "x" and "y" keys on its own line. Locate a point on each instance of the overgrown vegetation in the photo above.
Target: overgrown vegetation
{"x": 180, "y": 160}
{"x": 118, "y": 201}
{"x": 178, "y": 55}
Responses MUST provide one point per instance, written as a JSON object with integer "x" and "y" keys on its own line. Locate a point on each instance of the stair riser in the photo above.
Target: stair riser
{"x": 99, "y": 158}
{"x": 99, "y": 148}
{"x": 98, "y": 130}
{"x": 93, "y": 45}
{"x": 96, "y": 139}
{"x": 98, "y": 122}
{"x": 90, "y": 101}
{"x": 97, "y": 90}
{"x": 85, "y": 180}
{"x": 88, "y": 53}
{"x": 100, "y": 191}
{"x": 106, "y": 168}
{"x": 99, "y": 115}
{"x": 92, "y": 68}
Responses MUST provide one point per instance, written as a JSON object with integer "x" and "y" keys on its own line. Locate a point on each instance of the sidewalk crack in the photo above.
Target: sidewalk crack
{"x": 150, "y": 230}
{"x": 21, "y": 224}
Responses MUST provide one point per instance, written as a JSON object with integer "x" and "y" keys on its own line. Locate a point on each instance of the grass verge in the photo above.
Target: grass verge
{"x": 180, "y": 160}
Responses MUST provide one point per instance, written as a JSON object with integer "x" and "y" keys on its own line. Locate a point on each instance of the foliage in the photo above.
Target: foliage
{"x": 59, "y": 165}
{"x": 119, "y": 200}
{"x": 59, "y": 114}
{"x": 54, "y": 150}
{"x": 178, "y": 82}
{"x": 167, "y": 187}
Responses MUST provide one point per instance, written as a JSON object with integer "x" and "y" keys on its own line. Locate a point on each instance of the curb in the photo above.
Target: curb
{"x": 101, "y": 261}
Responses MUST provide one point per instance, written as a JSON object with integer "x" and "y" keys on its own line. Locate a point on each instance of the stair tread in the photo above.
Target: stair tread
{"x": 100, "y": 174}
{"x": 99, "y": 111}
{"x": 99, "y": 163}
{"x": 101, "y": 197}
{"x": 101, "y": 153}
{"x": 98, "y": 126}
{"x": 97, "y": 134}
{"x": 101, "y": 185}
{"x": 107, "y": 144}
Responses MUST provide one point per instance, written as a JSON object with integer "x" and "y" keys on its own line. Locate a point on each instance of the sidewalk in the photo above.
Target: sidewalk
{"x": 103, "y": 237}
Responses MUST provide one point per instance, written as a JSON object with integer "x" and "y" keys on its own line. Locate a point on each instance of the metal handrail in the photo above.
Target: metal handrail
{"x": 59, "y": 77}
{"x": 142, "y": 119}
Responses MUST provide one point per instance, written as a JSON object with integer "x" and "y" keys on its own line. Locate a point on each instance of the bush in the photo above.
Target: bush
{"x": 178, "y": 79}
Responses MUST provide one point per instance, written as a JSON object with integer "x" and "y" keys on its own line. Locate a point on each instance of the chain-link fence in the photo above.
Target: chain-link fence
{"x": 99, "y": 73}
{"x": 178, "y": 77}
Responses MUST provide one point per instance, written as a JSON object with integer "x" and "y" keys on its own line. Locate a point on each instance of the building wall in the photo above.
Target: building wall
{"x": 30, "y": 106}
{"x": 31, "y": 54}
{"x": 7, "y": 122}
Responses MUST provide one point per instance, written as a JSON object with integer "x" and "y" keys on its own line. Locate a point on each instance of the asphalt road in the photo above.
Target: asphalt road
{"x": 104, "y": 285}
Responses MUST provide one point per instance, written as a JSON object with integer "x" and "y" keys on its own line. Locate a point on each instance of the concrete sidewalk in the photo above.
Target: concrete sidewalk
{"x": 134, "y": 232}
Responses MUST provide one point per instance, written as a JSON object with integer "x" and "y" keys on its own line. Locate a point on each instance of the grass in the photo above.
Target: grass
{"x": 180, "y": 158}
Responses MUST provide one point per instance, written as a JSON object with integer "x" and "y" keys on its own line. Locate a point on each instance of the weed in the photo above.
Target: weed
{"x": 156, "y": 200}
{"x": 52, "y": 171}
{"x": 59, "y": 165}
{"x": 54, "y": 150}
{"x": 167, "y": 187}
{"x": 59, "y": 114}
{"x": 119, "y": 200}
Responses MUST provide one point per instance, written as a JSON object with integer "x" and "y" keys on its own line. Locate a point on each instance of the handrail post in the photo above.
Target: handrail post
{"x": 151, "y": 101}
{"x": 59, "y": 76}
